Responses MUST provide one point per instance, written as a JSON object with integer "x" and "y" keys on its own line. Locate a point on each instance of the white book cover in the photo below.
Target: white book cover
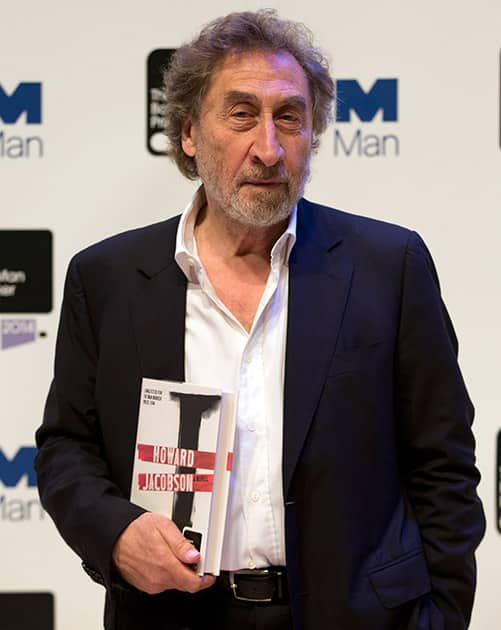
{"x": 182, "y": 462}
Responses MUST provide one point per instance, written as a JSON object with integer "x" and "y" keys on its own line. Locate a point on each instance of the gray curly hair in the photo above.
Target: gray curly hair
{"x": 187, "y": 77}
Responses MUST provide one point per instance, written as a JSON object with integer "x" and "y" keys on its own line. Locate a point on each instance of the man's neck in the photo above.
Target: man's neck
{"x": 227, "y": 238}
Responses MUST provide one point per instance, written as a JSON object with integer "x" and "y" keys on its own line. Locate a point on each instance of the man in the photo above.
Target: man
{"x": 331, "y": 328}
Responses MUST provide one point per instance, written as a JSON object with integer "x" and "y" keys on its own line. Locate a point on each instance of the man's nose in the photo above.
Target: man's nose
{"x": 266, "y": 147}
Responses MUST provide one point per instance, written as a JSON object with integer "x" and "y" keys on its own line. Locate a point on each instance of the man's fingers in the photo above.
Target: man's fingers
{"x": 153, "y": 555}
{"x": 185, "y": 553}
{"x": 206, "y": 581}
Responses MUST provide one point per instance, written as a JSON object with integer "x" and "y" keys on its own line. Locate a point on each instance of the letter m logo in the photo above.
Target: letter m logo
{"x": 26, "y": 98}
{"x": 12, "y": 470}
{"x": 381, "y": 96}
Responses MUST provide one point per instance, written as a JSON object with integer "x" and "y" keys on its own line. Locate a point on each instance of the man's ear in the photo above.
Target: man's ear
{"x": 188, "y": 137}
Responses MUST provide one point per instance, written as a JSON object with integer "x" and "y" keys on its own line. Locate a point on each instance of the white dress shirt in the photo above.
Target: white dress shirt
{"x": 219, "y": 352}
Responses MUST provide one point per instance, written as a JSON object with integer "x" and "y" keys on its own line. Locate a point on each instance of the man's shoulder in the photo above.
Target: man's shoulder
{"x": 335, "y": 223}
{"x": 133, "y": 247}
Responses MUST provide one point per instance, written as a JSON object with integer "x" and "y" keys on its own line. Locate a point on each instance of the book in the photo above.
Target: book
{"x": 182, "y": 461}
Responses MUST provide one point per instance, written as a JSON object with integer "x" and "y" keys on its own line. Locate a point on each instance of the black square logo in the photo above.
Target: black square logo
{"x": 158, "y": 60}
{"x": 25, "y": 271}
{"x": 26, "y": 611}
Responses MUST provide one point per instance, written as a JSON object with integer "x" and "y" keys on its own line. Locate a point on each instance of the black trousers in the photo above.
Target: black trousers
{"x": 212, "y": 609}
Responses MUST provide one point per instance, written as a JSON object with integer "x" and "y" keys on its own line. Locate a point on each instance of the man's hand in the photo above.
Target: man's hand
{"x": 153, "y": 555}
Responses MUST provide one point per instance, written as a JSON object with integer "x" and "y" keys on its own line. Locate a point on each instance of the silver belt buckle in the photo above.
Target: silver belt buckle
{"x": 234, "y": 586}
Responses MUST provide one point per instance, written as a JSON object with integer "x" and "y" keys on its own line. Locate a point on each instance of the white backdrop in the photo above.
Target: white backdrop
{"x": 96, "y": 178}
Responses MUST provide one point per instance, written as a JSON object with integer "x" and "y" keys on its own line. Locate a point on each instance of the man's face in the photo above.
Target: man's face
{"x": 252, "y": 142}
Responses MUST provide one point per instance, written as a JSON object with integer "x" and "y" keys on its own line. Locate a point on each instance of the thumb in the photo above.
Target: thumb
{"x": 182, "y": 548}
{"x": 188, "y": 553}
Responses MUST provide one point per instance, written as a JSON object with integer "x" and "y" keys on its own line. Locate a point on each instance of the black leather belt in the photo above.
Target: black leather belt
{"x": 258, "y": 586}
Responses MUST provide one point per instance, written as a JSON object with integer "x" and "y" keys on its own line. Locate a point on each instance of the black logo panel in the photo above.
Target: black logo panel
{"x": 27, "y": 611}
{"x": 25, "y": 271}
{"x": 158, "y": 60}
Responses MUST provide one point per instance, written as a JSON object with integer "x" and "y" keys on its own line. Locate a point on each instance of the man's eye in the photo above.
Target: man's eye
{"x": 290, "y": 118}
{"x": 241, "y": 114}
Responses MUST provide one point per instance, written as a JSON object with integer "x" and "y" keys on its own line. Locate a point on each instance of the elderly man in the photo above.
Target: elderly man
{"x": 353, "y": 502}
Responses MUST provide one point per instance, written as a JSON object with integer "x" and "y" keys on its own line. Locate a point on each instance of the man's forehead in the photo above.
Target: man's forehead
{"x": 259, "y": 70}
{"x": 233, "y": 97}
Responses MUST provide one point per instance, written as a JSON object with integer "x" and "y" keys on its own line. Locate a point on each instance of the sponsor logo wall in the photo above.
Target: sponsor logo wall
{"x": 25, "y": 283}
{"x": 20, "y": 113}
{"x": 19, "y": 500}
{"x": 359, "y": 108}
{"x": 407, "y": 145}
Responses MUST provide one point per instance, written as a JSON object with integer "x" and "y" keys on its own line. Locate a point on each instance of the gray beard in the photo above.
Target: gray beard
{"x": 266, "y": 208}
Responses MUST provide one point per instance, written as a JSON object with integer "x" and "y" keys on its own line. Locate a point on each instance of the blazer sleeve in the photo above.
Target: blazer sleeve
{"x": 74, "y": 479}
{"x": 437, "y": 445}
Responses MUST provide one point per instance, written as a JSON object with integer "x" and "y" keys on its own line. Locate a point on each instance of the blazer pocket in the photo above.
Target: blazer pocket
{"x": 351, "y": 359}
{"x": 401, "y": 581}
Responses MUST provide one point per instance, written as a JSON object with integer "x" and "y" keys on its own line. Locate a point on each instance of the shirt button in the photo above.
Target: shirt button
{"x": 251, "y": 428}
{"x": 254, "y": 496}
{"x": 250, "y": 564}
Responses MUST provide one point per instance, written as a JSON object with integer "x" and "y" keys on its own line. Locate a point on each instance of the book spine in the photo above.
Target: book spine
{"x": 222, "y": 474}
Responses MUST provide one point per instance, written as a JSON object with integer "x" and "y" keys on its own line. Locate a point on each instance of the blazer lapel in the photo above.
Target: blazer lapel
{"x": 158, "y": 312}
{"x": 319, "y": 281}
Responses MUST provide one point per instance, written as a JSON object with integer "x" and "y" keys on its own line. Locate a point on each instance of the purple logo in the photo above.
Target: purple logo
{"x": 14, "y": 332}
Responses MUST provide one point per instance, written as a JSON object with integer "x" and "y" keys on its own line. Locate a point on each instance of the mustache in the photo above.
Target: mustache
{"x": 264, "y": 173}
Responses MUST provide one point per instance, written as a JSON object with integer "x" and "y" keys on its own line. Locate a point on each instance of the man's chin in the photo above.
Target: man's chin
{"x": 264, "y": 202}
{"x": 261, "y": 217}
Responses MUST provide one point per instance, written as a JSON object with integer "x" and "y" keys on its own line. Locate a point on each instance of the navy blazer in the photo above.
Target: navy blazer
{"x": 382, "y": 515}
